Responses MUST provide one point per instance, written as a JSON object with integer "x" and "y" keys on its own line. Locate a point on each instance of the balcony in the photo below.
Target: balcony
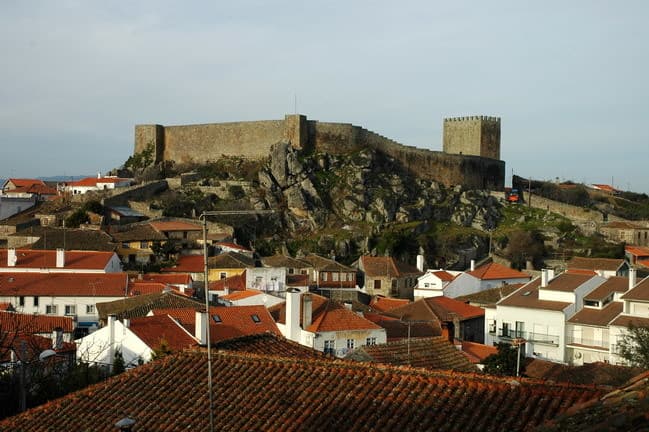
{"x": 601, "y": 344}
{"x": 543, "y": 338}
{"x": 511, "y": 334}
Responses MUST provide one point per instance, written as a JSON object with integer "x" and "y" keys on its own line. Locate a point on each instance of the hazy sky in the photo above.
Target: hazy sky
{"x": 568, "y": 78}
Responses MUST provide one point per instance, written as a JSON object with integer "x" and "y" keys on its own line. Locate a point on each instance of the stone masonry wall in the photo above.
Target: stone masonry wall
{"x": 473, "y": 135}
{"x": 199, "y": 143}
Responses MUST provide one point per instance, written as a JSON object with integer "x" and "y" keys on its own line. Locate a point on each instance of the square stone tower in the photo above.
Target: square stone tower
{"x": 473, "y": 136}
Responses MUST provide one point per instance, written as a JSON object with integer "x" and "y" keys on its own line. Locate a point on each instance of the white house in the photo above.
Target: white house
{"x": 536, "y": 314}
{"x": 324, "y": 325}
{"x": 98, "y": 183}
{"x": 270, "y": 279}
{"x": 250, "y": 297}
{"x": 634, "y": 312}
{"x": 488, "y": 276}
{"x": 433, "y": 282}
{"x": 63, "y": 294}
{"x": 605, "y": 267}
{"x": 58, "y": 261}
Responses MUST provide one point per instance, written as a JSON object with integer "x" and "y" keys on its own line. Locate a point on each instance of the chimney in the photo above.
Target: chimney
{"x": 111, "y": 339}
{"x": 57, "y": 338}
{"x": 420, "y": 263}
{"x": 550, "y": 274}
{"x": 307, "y": 310}
{"x": 472, "y": 265}
{"x": 200, "y": 326}
{"x": 348, "y": 306}
{"x": 633, "y": 277}
{"x": 127, "y": 322}
{"x": 60, "y": 258}
{"x": 293, "y": 296}
{"x": 544, "y": 278}
{"x": 11, "y": 257}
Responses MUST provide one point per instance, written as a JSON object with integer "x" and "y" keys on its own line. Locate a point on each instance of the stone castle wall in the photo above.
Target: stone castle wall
{"x": 473, "y": 135}
{"x": 200, "y": 143}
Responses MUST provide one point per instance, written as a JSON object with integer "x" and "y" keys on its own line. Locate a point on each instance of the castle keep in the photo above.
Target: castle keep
{"x": 470, "y": 157}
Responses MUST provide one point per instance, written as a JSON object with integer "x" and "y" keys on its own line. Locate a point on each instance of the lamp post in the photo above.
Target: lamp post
{"x": 203, "y": 218}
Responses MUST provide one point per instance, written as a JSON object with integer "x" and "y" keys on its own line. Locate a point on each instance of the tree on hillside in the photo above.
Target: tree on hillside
{"x": 523, "y": 246}
{"x": 634, "y": 346}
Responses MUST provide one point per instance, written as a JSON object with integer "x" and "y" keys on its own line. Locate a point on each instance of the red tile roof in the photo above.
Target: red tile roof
{"x": 27, "y": 347}
{"x": 232, "y": 283}
{"x": 612, "y": 285}
{"x": 14, "y": 322}
{"x": 187, "y": 264}
{"x": 139, "y": 306}
{"x": 597, "y": 317}
{"x": 269, "y": 344}
{"x": 568, "y": 282}
{"x": 336, "y": 317}
{"x": 236, "y": 321}
{"x": 494, "y": 270}
{"x": 445, "y": 308}
{"x": 74, "y": 260}
{"x": 626, "y": 321}
{"x": 136, "y": 288}
{"x": 443, "y": 275}
{"x": 261, "y": 392}
{"x": 604, "y": 187}
{"x": 528, "y": 297}
{"x": 24, "y": 182}
{"x": 582, "y": 272}
{"x": 386, "y": 266}
{"x": 171, "y": 279}
{"x": 65, "y": 284}
{"x": 229, "y": 260}
{"x": 639, "y": 292}
{"x": 639, "y": 251}
{"x": 384, "y": 304}
{"x": 92, "y": 181}
{"x": 166, "y": 226}
{"x": 396, "y": 329}
{"x": 583, "y": 263}
{"x": 160, "y": 330}
{"x": 240, "y": 295}
{"x": 430, "y": 353}
{"x": 477, "y": 352}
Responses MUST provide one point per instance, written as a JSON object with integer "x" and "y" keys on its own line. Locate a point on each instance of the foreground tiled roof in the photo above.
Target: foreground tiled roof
{"x": 187, "y": 264}
{"x": 74, "y": 260}
{"x": 582, "y": 263}
{"x": 622, "y": 410}
{"x": 494, "y": 270}
{"x": 446, "y": 308}
{"x": 269, "y": 344}
{"x": 232, "y": 283}
{"x": 429, "y": 353}
{"x": 64, "y": 284}
{"x": 640, "y": 251}
{"x": 597, "y": 373}
{"x": 396, "y": 329}
{"x": 14, "y": 322}
{"x": 160, "y": 330}
{"x": 265, "y": 393}
{"x": 141, "y": 305}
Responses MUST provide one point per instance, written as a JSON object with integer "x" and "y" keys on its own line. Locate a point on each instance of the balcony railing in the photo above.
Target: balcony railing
{"x": 511, "y": 334}
{"x": 543, "y": 338}
{"x": 596, "y": 343}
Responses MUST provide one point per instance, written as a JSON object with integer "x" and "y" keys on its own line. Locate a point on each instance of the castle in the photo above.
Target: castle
{"x": 471, "y": 155}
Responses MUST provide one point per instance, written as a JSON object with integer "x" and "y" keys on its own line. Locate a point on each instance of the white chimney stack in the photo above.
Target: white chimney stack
{"x": 293, "y": 296}
{"x": 472, "y": 265}
{"x": 200, "y": 326}
{"x": 111, "y": 339}
{"x": 420, "y": 263}
{"x": 550, "y": 274}
{"x": 11, "y": 257}
{"x": 60, "y": 258}
{"x": 127, "y": 322}
{"x": 57, "y": 338}
{"x": 307, "y": 310}
{"x": 633, "y": 278}
{"x": 544, "y": 278}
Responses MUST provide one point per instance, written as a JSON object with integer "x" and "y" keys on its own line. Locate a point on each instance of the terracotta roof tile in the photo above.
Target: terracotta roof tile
{"x": 384, "y": 304}
{"x": 626, "y": 321}
{"x": 639, "y": 251}
{"x": 172, "y": 279}
{"x": 92, "y": 181}
{"x": 324, "y": 264}
{"x": 445, "y": 308}
{"x": 639, "y": 292}
{"x": 528, "y": 297}
{"x": 14, "y": 322}
{"x": 64, "y": 284}
{"x": 74, "y": 260}
{"x": 232, "y": 246}
{"x": 166, "y": 226}
{"x": 612, "y": 285}
{"x": 269, "y": 344}
{"x": 232, "y": 283}
{"x": 490, "y": 296}
{"x": 494, "y": 270}
{"x": 240, "y": 295}
{"x": 187, "y": 264}
{"x": 336, "y": 317}
{"x": 429, "y": 353}
{"x": 386, "y": 266}
{"x": 583, "y": 263}
{"x": 260, "y": 392}
{"x": 443, "y": 275}
{"x": 597, "y": 373}
{"x": 230, "y": 260}
{"x": 597, "y": 317}
{"x": 142, "y": 232}
{"x": 284, "y": 261}
{"x": 477, "y": 352}
{"x": 141, "y": 305}
{"x": 72, "y": 239}
{"x": 568, "y": 282}
{"x": 396, "y": 329}
{"x": 160, "y": 330}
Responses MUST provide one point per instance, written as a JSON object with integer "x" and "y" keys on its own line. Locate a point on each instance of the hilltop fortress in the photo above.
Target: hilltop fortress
{"x": 471, "y": 155}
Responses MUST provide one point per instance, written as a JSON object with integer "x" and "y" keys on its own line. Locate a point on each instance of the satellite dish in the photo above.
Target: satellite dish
{"x": 577, "y": 355}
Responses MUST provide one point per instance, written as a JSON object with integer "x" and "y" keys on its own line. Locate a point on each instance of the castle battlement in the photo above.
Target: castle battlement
{"x": 467, "y": 162}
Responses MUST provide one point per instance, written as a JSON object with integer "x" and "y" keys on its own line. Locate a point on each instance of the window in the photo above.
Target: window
{"x": 258, "y": 281}
{"x": 223, "y": 275}
{"x": 334, "y": 277}
{"x": 594, "y": 303}
{"x": 350, "y": 344}
{"x": 492, "y": 326}
{"x": 370, "y": 341}
{"x": 377, "y": 284}
{"x": 144, "y": 245}
{"x": 70, "y": 309}
{"x": 255, "y": 318}
{"x": 426, "y": 285}
{"x": 519, "y": 329}
{"x": 126, "y": 245}
{"x": 216, "y": 318}
{"x": 329, "y": 346}
{"x": 51, "y": 309}
{"x": 90, "y": 309}
{"x": 21, "y": 301}
{"x": 35, "y": 301}
{"x": 324, "y": 276}
{"x": 291, "y": 271}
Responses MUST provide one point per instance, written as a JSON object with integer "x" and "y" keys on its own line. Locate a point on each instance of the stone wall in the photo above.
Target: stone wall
{"x": 200, "y": 143}
{"x": 143, "y": 192}
{"x": 474, "y": 135}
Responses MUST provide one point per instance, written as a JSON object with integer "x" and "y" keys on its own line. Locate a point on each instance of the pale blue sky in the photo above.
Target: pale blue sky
{"x": 568, "y": 79}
